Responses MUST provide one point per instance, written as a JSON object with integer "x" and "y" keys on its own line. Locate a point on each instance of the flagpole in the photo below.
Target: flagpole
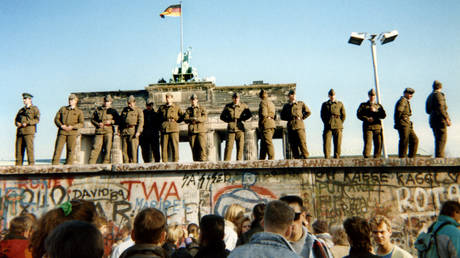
{"x": 181, "y": 45}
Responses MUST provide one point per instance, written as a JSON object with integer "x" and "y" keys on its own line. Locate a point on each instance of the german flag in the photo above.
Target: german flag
{"x": 172, "y": 10}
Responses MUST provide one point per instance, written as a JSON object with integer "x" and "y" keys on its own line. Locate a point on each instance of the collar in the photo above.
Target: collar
{"x": 71, "y": 108}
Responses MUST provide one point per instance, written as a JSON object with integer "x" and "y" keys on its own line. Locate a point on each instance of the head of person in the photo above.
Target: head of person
{"x": 296, "y": 203}
{"x": 358, "y": 233}
{"x": 212, "y": 229}
{"x": 339, "y": 236}
{"x": 372, "y": 95}
{"x": 149, "y": 104}
{"x": 102, "y": 224}
{"x": 291, "y": 95}
{"x": 131, "y": 101}
{"x": 244, "y": 224}
{"x": 331, "y": 94}
{"x": 234, "y": 213}
{"x": 73, "y": 210}
{"x": 381, "y": 229}
{"x": 194, "y": 100}
{"x": 236, "y": 98}
{"x": 278, "y": 218}
{"x": 27, "y": 99}
{"x": 258, "y": 215}
{"x": 437, "y": 85}
{"x": 149, "y": 227}
{"x": 193, "y": 230}
{"x": 21, "y": 226}
{"x": 174, "y": 234}
{"x": 169, "y": 98}
{"x": 108, "y": 101}
{"x": 73, "y": 99}
{"x": 263, "y": 94}
{"x": 408, "y": 93}
{"x": 320, "y": 227}
{"x": 73, "y": 239}
{"x": 451, "y": 209}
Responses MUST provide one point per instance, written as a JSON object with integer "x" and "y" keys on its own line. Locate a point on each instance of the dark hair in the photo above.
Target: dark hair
{"x": 80, "y": 210}
{"x": 74, "y": 239}
{"x": 278, "y": 215}
{"x": 193, "y": 229}
{"x": 258, "y": 212}
{"x": 359, "y": 233}
{"x": 148, "y": 226}
{"x": 212, "y": 229}
{"x": 19, "y": 225}
{"x": 449, "y": 208}
{"x": 437, "y": 85}
{"x": 292, "y": 199}
{"x": 320, "y": 226}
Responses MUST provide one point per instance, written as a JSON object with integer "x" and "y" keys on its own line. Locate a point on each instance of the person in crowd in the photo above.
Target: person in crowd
{"x": 149, "y": 234}
{"x": 244, "y": 224}
{"x": 333, "y": 115}
{"x": 16, "y": 242}
{"x": 212, "y": 231}
{"x": 196, "y": 117}
{"x": 193, "y": 231}
{"x": 321, "y": 231}
{"x": 339, "y": 237}
{"x": 26, "y": 121}
{"x": 73, "y": 210}
{"x": 191, "y": 242}
{"x": 381, "y": 231}
{"x": 131, "y": 126}
{"x": 170, "y": 115}
{"x": 359, "y": 236}
{"x": 267, "y": 126}
{"x": 407, "y": 137}
{"x": 75, "y": 239}
{"x": 278, "y": 219}
{"x": 126, "y": 240}
{"x": 150, "y": 136}
{"x": 436, "y": 107}
{"x": 174, "y": 238}
{"x": 232, "y": 215}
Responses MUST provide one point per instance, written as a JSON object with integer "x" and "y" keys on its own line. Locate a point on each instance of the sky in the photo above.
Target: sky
{"x": 51, "y": 48}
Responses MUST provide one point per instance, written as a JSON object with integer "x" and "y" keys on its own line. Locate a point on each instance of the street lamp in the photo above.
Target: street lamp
{"x": 385, "y": 37}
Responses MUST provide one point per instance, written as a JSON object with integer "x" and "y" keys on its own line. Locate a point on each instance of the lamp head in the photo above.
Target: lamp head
{"x": 356, "y": 38}
{"x": 388, "y": 37}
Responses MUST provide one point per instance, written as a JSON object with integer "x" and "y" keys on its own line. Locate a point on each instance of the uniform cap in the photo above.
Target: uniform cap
{"x": 193, "y": 96}
{"x": 371, "y": 92}
{"x": 73, "y": 96}
{"x": 149, "y": 101}
{"x": 409, "y": 90}
{"x": 169, "y": 94}
{"x": 27, "y": 95}
{"x": 108, "y": 98}
{"x": 131, "y": 99}
{"x": 331, "y": 92}
{"x": 291, "y": 92}
{"x": 437, "y": 85}
{"x": 235, "y": 95}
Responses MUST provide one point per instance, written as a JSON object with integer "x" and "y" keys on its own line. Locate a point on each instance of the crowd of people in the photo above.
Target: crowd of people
{"x": 279, "y": 228}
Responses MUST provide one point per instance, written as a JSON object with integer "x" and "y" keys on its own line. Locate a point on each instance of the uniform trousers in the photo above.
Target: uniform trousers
{"x": 23, "y": 143}
{"x": 70, "y": 142}
{"x": 170, "y": 140}
{"x": 129, "y": 148}
{"x": 101, "y": 142}
{"x": 198, "y": 145}
{"x": 298, "y": 142}
{"x": 231, "y": 137}
{"x": 266, "y": 144}
{"x": 336, "y": 135}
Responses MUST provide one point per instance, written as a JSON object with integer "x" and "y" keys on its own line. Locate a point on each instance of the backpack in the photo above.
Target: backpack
{"x": 320, "y": 250}
{"x": 426, "y": 243}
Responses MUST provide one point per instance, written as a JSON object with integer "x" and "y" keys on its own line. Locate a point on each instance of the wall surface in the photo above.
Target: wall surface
{"x": 408, "y": 191}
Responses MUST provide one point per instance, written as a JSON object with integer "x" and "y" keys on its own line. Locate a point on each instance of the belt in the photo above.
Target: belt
{"x": 172, "y": 120}
{"x": 131, "y": 126}
{"x": 296, "y": 118}
{"x": 335, "y": 116}
{"x": 107, "y": 124}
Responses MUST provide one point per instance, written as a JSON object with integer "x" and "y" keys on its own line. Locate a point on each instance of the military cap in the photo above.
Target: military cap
{"x": 149, "y": 101}
{"x": 371, "y": 92}
{"x": 108, "y": 98}
{"x": 235, "y": 95}
{"x": 331, "y": 92}
{"x": 169, "y": 94}
{"x": 193, "y": 96}
{"x": 409, "y": 90}
{"x": 27, "y": 95}
{"x": 73, "y": 96}
{"x": 262, "y": 92}
{"x": 437, "y": 85}
{"x": 291, "y": 92}
{"x": 131, "y": 99}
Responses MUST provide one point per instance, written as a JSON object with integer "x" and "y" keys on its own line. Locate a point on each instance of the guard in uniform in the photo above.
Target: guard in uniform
{"x": 170, "y": 115}
{"x": 436, "y": 107}
{"x": 235, "y": 113}
{"x": 266, "y": 126}
{"x": 371, "y": 113}
{"x": 131, "y": 125}
{"x": 407, "y": 136}
{"x": 26, "y": 121}
{"x": 68, "y": 119}
{"x": 333, "y": 115}
{"x": 104, "y": 118}
{"x": 196, "y": 117}
{"x": 150, "y": 137}
{"x": 295, "y": 112}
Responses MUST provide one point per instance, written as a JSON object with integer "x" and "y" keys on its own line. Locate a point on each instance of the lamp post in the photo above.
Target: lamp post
{"x": 385, "y": 37}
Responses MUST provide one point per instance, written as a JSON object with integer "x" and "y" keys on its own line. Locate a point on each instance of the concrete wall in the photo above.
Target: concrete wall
{"x": 408, "y": 191}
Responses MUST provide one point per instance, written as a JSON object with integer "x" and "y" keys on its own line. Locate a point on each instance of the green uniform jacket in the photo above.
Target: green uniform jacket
{"x": 107, "y": 116}
{"x": 30, "y": 116}
{"x": 170, "y": 117}
{"x": 436, "y": 107}
{"x": 365, "y": 112}
{"x": 333, "y": 114}
{"x": 295, "y": 113}
{"x": 266, "y": 114}
{"x": 131, "y": 121}
{"x": 235, "y": 115}
{"x": 402, "y": 113}
{"x": 68, "y": 116}
{"x": 196, "y": 118}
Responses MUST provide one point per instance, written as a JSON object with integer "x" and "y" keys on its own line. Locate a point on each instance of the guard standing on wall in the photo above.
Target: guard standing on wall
{"x": 333, "y": 115}
{"x": 266, "y": 126}
{"x": 235, "y": 113}
{"x": 295, "y": 112}
{"x": 131, "y": 125}
{"x": 150, "y": 137}
{"x": 68, "y": 119}
{"x": 196, "y": 117}
{"x": 103, "y": 118}
{"x": 436, "y": 107}
{"x": 26, "y": 121}
{"x": 372, "y": 113}
{"x": 170, "y": 116}
{"x": 407, "y": 136}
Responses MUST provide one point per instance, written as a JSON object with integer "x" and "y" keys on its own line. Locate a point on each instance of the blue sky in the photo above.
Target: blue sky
{"x": 54, "y": 47}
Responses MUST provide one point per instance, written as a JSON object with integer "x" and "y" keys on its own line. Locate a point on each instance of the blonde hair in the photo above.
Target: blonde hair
{"x": 234, "y": 213}
{"x": 378, "y": 220}
{"x": 175, "y": 233}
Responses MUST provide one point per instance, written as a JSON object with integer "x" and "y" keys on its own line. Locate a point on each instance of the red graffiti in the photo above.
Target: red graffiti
{"x": 260, "y": 190}
{"x": 44, "y": 183}
{"x": 159, "y": 195}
